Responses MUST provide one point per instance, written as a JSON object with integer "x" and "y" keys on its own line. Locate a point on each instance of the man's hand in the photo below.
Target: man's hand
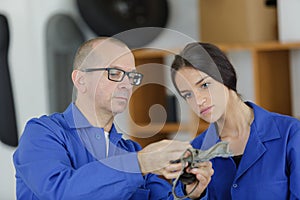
{"x": 155, "y": 157}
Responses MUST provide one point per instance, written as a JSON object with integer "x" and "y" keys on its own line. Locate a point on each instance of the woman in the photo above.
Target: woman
{"x": 265, "y": 145}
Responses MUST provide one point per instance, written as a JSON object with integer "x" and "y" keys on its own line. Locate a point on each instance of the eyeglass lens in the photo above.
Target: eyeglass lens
{"x": 135, "y": 78}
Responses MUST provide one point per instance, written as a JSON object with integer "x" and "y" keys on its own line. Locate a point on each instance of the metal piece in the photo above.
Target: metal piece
{"x": 221, "y": 149}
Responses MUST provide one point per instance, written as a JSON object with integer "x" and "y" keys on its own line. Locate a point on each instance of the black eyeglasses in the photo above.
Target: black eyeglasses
{"x": 117, "y": 75}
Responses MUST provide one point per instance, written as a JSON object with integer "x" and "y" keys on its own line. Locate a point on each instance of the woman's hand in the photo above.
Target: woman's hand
{"x": 203, "y": 173}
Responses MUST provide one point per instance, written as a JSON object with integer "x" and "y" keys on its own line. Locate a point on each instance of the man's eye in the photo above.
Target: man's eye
{"x": 115, "y": 73}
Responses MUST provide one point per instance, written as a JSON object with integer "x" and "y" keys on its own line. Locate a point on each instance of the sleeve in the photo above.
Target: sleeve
{"x": 159, "y": 188}
{"x": 43, "y": 164}
{"x": 293, "y": 157}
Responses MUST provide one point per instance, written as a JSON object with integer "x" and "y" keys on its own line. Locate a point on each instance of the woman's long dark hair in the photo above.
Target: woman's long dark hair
{"x": 209, "y": 59}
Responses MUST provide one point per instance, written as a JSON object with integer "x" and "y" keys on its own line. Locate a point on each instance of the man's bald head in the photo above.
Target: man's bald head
{"x": 98, "y": 50}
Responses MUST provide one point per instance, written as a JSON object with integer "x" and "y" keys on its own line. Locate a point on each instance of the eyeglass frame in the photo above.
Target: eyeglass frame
{"x": 113, "y": 68}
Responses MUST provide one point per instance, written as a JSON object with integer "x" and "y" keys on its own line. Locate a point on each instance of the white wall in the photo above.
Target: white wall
{"x": 27, "y": 20}
{"x": 295, "y": 78}
{"x": 242, "y": 62}
{"x": 22, "y": 69}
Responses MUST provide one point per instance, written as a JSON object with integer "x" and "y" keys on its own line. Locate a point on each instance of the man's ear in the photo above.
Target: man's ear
{"x": 79, "y": 81}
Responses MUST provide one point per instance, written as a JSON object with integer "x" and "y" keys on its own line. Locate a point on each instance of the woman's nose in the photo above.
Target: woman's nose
{"x": 201, "y": 100}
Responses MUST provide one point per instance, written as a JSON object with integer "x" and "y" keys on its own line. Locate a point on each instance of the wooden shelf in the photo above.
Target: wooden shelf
{"x": 141, "y": 54}
{"x": 153, "y": 53}
{"x": 262, "y": 46}
{"x": 165, "y": 128}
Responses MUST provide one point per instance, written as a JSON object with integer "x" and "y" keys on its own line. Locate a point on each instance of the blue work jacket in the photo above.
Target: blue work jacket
{"x": 270, "y": 165}
{"x": 62, "y": 156}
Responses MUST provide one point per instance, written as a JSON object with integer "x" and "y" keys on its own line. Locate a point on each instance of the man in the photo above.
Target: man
{"x": 78, "y": 154}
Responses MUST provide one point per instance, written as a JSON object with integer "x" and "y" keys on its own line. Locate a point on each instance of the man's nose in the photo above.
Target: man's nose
{"x": 126, "y": 82}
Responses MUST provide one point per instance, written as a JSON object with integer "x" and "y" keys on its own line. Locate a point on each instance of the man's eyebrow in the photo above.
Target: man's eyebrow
{"x": 198, "y": 82}
{"x": 118, "y": 67}
{"x": 115, "y": 66}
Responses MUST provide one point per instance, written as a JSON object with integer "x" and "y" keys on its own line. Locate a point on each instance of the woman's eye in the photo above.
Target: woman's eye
{"x": 204, "y": 85}
{"x": 186, "y": 95}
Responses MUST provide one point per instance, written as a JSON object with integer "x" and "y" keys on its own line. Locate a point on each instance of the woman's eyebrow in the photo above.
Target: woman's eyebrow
{"x": 183, "y": 91}
{"x": 198, "y": 82}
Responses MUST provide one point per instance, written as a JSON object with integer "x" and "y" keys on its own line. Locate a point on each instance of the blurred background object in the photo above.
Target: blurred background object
{"x": 271, "y": 2}
{"x": 61, "y": 48}
{"x": 288, "y": 16}
{"x": 8, "y": 126}
{"x": 109, "y": 18}
{"x": 237, "y": 21}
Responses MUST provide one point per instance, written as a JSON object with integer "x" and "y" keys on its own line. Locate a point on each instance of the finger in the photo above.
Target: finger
{"x": 203, "y": 180}
{"x": 174, "y": 156}
{"x": 201, "y": 165}
{"x": 208, "y": 171}
{"x": 203, "y": 172}
{"x": 174, "y": 167}
{"x": 206, "y": 164}
{"x": 170, "y": 174}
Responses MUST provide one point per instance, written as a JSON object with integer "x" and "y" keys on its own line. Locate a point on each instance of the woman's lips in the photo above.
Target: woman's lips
{"x": 206, "y": 110}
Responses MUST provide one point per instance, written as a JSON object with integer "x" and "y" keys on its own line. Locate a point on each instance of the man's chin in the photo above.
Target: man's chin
{"x": 119, "y": 108}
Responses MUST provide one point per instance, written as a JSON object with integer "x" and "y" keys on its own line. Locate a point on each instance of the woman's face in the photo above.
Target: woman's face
{"x": 206, "y": 96}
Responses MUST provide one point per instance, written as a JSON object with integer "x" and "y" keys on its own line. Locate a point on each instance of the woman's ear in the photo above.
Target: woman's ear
{"x": 79, "y": 81}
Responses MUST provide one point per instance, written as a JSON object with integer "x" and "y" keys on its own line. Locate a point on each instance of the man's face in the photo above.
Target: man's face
{"x": 107, "y": 96}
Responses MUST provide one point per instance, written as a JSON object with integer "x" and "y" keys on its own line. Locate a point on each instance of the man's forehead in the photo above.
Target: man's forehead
{"x": 125, "y": 62}
{"x": 108, "y": 43}
{"x": 108, "y": 54}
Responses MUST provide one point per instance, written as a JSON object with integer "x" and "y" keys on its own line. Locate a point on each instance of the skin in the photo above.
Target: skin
{"x": 107, "y": 97}
{"x": 215, "y": 103}
{"x": 207, "y": 97}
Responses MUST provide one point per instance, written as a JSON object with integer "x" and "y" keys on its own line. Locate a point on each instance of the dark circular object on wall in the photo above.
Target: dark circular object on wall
{"x": 109, "y": 18}
{"x": 271, "y": 3}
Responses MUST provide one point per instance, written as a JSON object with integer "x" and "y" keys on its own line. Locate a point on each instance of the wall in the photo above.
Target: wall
{"x": 295, "y": 74}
